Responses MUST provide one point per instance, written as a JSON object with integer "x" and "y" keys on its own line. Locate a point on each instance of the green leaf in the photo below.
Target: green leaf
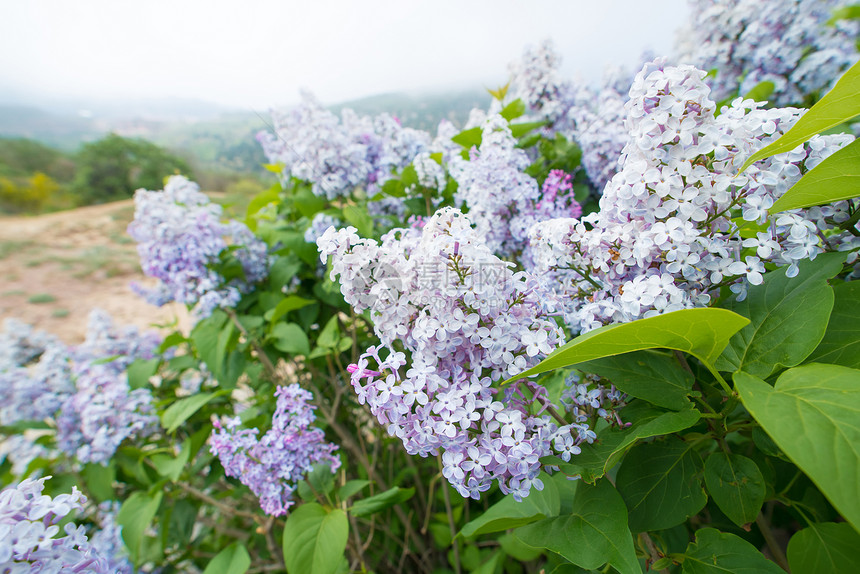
{"x": 291, "y": 338}
{"x": 283, "y": 270}
{"x": 508, "y": 513}
{"x": 824, "y": 547}
{"x": 381, "y": 501}
{"x": 232, "y": 560}
{"x": 315, "y": 539}
{"x": 841, "y": 342}
{"x": 660, "y": 483}
{"x": 134, "y": 516}
{"x": 736, "y": 485}
{"x": 291, "y": 303}
{"x": 330, "y": 335}
{"x": 140, "y": 371}
{"x": 204, "y": 338}
{"x": 716, "y": 552}
{"x": 703, "y": 333}
{"x": 788, "y": 318}
{"x": 319, "y": 481}
{"x": 99, "y": 480}
{"x": 519, "y": 130}
{"x": 648, "y": 375}
{"x": 760, "y": 92}
{"x": 813, "y": 415}
{"x": 596, "y": 459}
{"x": 351, "y": 488}
{"x": 837, "y": 177}
{"x": 183, "y": 409}
{"x": 358, "y": 217}
{"x": 513, "y": 110}
{"x": 169, "y": 466}
{"x": 469, "y": 138}
{"x": 594, "y": 533}
{"x": 838, "y": 105}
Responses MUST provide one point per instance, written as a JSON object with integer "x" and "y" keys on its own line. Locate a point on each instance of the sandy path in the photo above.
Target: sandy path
{"x": 55, "y": 268}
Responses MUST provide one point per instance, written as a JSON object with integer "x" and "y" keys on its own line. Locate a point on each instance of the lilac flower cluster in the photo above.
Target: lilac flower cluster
{"x": 29, "y": 529}
{"x": 107, "y": 539}
{"x": 82, "y": 389}
{"x": 676, "y": 222}
{"x": 586, "y": 397}
{"x": 180, "y": 238}
{"x": 536, "y": 81}
{"x": 339, "y": 154}
{"x": 467, "y": 320}
{"x": 319, "y": 224}
{"x": 787, "y": 42}
{"x": 273, "y": 465}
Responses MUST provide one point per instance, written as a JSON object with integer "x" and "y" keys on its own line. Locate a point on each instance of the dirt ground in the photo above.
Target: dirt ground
{"x": 55, "y": 268}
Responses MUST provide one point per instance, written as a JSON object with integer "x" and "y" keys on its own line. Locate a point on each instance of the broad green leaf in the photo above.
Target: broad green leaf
{"x": 824, "y": 547}
{"x": 703, "y": 333}
{"x": 760, "y": 92}
{"x": 140, "y": 371}
{"x": 788, "y": 317}
{"x": 660, "y": 483}
{"x": 352, "y": 487}
{"x": 469, "y": 138}
{"x": 358, "y": 217}
{"x": 330, "y": 335}
{"x": 716, "y": 552}
{"x": 318, "y": 482}
{"x": 648, "y": 375}
{"x": 834, "y": 179}
{"x": 134, "y": 516}
{"x": 232, "y": 560}
{"x": 291, "y": 303}
{"x": 492, "y": 565}
{"x": 519, "y": 130}
{"x": 813, "y": 415}
{"x": 290, "y": 338}
{"x": 736, "y": 485}
{"x": 517, "y": 549}
{"x": 381, "y": 501}
{"x": 283, "y": 270}
{"x": 841, "y": 342}
{"x": 508, "y": 513}
{"x": 183, "y": 409}
{"x": 596, "y": 459}
{"x": 99, "y": 480}
{"x": 204, "y": 337}
{"x": 315, "y": 539}
{"x": 593, "y": 534}
{"x": 513, "y": 110}
{"x": 838, "y": 105}
{"x": 169, "y": 466}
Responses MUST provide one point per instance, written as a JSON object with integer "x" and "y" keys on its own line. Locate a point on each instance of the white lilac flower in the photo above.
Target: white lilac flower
{"x": 272, "y": 465}
{"x": 30, "y": 536}
{"x": 467, "y": 320}
{"x": 786, "y": 42}
{"x": 667, "y": 234}
{"x": 180, "y": 238}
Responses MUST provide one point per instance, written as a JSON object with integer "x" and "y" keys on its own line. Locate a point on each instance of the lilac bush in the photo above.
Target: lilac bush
{"x": 180, "y": 239}
{"x": 271, "y": 466}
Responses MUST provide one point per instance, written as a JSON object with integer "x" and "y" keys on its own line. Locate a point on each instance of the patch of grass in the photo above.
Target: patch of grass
{"x": 9, "y": 247}
{"x": 60, "y": 313}
{"x": 33, "y": 263}
{"x": 40, "y": 298}
{"x": 121, "y": 238}
{"x": 14, "y": 292}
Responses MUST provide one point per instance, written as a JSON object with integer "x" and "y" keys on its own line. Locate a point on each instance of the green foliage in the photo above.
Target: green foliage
{"x": 837, "y": 106}
{"x": 736, "y": 485}
{"x": 841, "y": 342}
{"x": 824, "y": 547}
{"x": 114, "y": 167}
{"x": 834, "y": 179}
{"x": 778, "y": 336}
{"x": 716, "y": 552}
{"x": 232, "y": 560}
{"x": 314, "y": 539}
{"x": 811, "y": 413}
{"x": 508, "y": 513}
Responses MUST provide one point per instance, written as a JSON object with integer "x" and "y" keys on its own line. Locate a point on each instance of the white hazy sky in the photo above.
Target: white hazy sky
{"x": 256, "y": 53}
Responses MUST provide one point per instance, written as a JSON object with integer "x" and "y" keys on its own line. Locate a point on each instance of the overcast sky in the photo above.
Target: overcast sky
{"x": 257, "y": 54}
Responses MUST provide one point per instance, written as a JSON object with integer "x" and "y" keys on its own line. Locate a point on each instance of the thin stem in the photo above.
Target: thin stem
{"x": 652, "y": 550}
{"x": 772, "y": 545}
{"x": 200, "y": 495}
{"x": 451, "y": 526}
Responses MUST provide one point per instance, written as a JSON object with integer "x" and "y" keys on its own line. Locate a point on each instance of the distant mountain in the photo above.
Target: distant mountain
{"x": 60, "y": 131}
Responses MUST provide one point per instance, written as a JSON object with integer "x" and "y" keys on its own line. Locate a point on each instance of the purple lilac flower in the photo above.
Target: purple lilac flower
{"x": 273, "y": 465}
{"x": 667, "y": 232}
{"x": 107, "y": 539}
{"x": 320, "y": 223}
{"x": 29, "y": 530}
{"x": 180, "y": 237}
{"x": 786, "y": 42}
{"x": 339, "y": 154}
{"x": 467, "y": 320}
